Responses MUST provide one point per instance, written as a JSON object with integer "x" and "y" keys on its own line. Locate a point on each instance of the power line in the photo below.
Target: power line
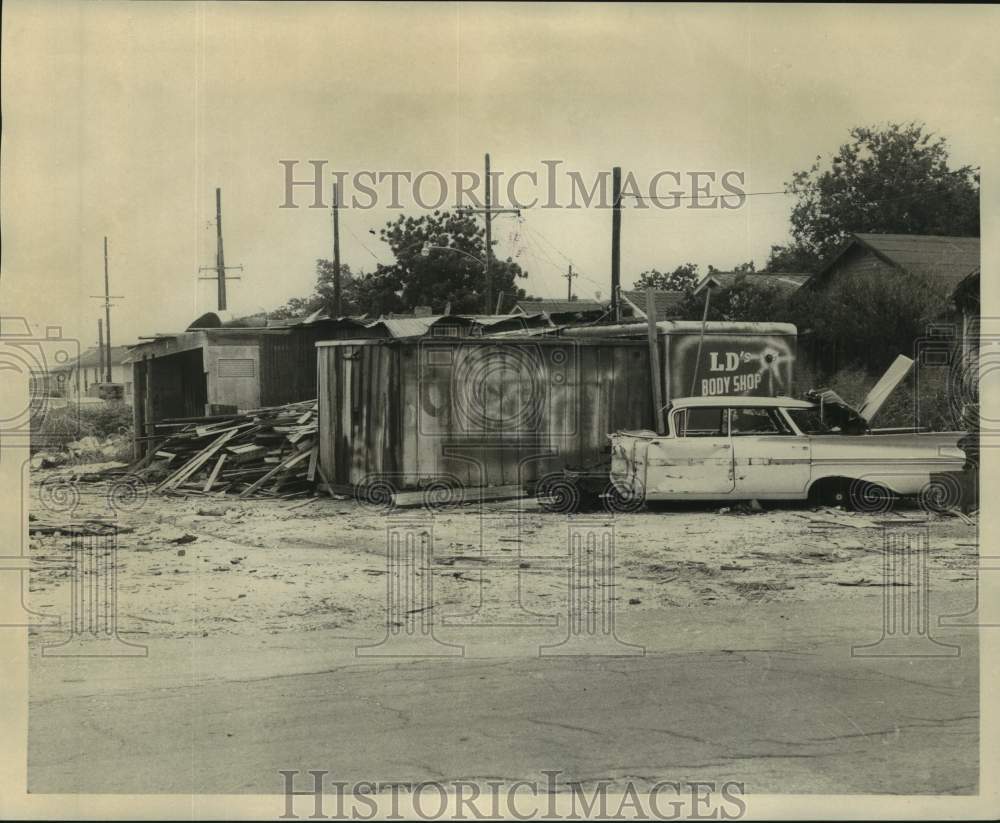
{"x": 792, "y": 192}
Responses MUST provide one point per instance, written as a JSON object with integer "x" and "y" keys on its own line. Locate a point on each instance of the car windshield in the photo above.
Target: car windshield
{"x": 809, "y": 421}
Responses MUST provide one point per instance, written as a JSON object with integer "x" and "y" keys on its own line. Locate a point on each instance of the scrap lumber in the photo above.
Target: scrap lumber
{"x": 215, "y": 473}
{"x": 473, "y": 494}
{"x": 237, "y": 453}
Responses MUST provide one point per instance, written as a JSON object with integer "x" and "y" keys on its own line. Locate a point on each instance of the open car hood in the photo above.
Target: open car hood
{"x": 838, "y": 412}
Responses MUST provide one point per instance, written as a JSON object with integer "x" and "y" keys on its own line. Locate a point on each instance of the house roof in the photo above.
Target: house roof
{"x": 950, "y": 259}
{"x": 551, "y": 307}
{"x": 787, "y": 282}
{"x": 667, "y": 303}
{"x": 91, "y": 357}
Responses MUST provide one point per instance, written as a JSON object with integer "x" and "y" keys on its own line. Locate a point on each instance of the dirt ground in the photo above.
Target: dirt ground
{"x": 197, "y": 565}
{"x": 252, "y": 611}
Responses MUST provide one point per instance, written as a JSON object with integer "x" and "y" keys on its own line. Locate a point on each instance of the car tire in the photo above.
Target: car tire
{"x": 621, "y": 501}
{"x": 558, "y": 494}
{"x": 941, "y": 494}
{"x": 865, "y": 497}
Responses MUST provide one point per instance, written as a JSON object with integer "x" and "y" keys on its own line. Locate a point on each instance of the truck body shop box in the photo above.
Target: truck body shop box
{"x": 727, "y": 359}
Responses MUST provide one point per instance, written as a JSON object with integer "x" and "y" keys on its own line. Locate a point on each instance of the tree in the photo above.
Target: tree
{"x": 895, "y": 180}
{"x": 793, "y": 258}
{"x": 683, "y": 278}
{"x": 871, "y": 319}
{"x": 322, "y": 296}
{"x": 439, "y": 259}
{"x": 747, "y": 299}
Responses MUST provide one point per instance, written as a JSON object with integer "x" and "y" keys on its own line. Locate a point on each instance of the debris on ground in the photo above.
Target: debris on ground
{"x": 93, "y": 526}
{"x": 270, "y": 452}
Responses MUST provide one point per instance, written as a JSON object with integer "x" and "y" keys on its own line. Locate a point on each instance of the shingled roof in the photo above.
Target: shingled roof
{"x": 667, "y": 303}
{"x": 949, "y": 259}
{"x": 92, "y": 357}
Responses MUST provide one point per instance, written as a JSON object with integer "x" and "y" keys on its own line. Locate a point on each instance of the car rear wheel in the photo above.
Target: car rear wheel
{"x": 558, "y": 494}
{"x": 870, "y": 498}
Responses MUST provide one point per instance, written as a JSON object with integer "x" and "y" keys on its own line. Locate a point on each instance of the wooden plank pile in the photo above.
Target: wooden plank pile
{"x": 270, "y": 452}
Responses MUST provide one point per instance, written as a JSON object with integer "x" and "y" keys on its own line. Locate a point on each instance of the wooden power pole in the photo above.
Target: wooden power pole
{"x": 220, "y": 257}
{"x": 220, "y": 266}
{"x": 489, "y": 242}
{"x": 337, "y": 309}
{"x": 100, "y": 344}
{"x": 569, "y": 282}
{"x": 107, "y": 297}
{"x": 488, "y": 212}
{"x": 107, "y": 315}
{"x": 616, "y": 243}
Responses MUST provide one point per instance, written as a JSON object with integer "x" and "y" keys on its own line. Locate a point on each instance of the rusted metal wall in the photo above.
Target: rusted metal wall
{"x": 480, "y": 412}
{"x": 287, "y": 368}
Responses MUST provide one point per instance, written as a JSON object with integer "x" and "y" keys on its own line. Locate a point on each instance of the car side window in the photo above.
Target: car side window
{"x": 747, "y": 421}
{"x": 703, "y": 422}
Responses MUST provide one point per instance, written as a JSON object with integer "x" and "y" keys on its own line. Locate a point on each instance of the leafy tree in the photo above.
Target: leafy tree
{"x": 793, "y": 257}
{"x": 322, "y": 296}
{"x": 894, "y": 180}
{"x": 747, "y": 299}
{"x": 439, "y": 260}
{"x": 683, "y": 278}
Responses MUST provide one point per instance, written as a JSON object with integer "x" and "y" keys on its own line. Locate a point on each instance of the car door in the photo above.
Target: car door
{"x": 770, "y": 459}
{"x": 697, "y": 460}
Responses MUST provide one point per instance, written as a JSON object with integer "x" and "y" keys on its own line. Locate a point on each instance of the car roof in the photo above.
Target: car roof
{"x": 742, "y": 401}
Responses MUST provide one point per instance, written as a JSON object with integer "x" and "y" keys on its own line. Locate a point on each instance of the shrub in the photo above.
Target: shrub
{"x": 59, "y": 426}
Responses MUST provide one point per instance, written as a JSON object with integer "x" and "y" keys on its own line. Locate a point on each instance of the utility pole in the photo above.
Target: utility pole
{"x": 107, "y": 315}
{"x": 107, "y": 297}
{"x": 100, "y": 344}
{"x": 220, "y": 257}
{"x": 337, "y": 310}
{"x": 616, "y": 243}
{"x": 569, "y": 282}
{"x": 220, "y": 266}
{"x": 489, "y": 241}
{"x": 488, "y": 213}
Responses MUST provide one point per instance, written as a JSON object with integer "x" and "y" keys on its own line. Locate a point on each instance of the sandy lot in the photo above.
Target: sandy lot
{"x": 190, "y": 566}
{"x": 252, "y": 610}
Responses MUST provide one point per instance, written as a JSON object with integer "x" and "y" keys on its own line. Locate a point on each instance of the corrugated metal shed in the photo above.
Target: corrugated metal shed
{"x": 560, "y": 307}
{"x": 477, "y": 411}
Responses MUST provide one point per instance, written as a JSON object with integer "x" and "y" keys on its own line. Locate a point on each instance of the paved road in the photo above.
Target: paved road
{"x": 769, "y": 695}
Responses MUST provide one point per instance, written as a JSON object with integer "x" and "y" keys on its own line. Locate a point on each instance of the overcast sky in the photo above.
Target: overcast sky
{"x": 121, "y": 119}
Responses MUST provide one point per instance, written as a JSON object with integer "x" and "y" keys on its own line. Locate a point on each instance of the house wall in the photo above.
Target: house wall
{"x": 483, "y": 412}
{"x": 77, "y": 381}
